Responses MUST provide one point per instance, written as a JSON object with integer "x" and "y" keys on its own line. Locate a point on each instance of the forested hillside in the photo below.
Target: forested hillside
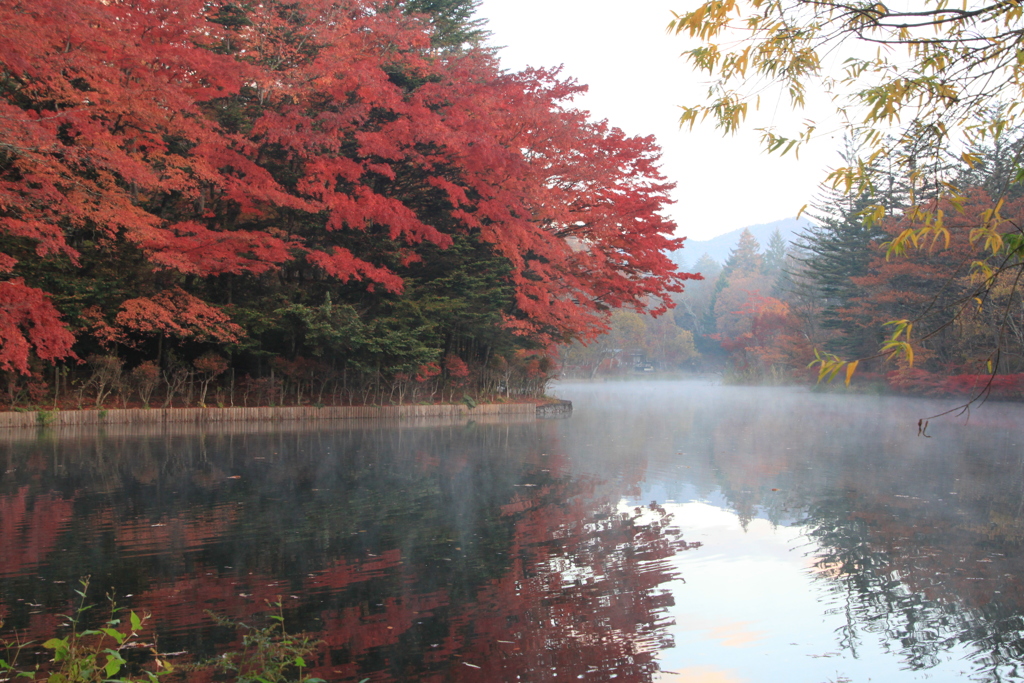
{"x": 844, "y": 289}
{"x": 302, "y": 201}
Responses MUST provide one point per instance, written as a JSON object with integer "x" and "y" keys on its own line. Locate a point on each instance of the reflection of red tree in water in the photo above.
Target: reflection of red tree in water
{"x": 578, "y": 593}
{"x": 29, "y": 528}
{"x": 177, "y": 534}
{"x": 579, "y": 598}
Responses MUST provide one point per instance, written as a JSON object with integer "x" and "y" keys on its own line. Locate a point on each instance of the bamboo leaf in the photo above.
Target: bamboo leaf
{"x": 850, "y": 369}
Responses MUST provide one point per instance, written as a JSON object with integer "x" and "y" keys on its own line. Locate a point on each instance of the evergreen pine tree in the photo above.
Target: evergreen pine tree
{"x": 695, "y": 305}
{"x": 837, "y": 248}
{"x": 746, "y": 255}
{"x": 840, "y": 246}
{"x": 775, "y": 262}
{"x": 745, "y": 258}
{"x": 454, "y": 26}
{"x": 775, "y": 253}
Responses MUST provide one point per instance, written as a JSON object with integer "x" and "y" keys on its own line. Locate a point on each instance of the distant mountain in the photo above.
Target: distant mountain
{"x": 719, "y": 247}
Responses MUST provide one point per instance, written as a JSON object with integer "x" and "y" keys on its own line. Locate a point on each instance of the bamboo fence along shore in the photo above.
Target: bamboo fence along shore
{"x": 237, "y": 428}
{"x": 113, "y": 416}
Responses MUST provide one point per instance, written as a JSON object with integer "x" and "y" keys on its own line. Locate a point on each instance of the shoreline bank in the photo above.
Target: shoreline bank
{"x": 62, "y": 418}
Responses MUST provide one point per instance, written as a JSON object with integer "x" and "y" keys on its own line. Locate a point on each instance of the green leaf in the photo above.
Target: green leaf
{"x": 115, "y": 634}
{"x": 299, "y": 661}
{"x": 136, "y": 622}
{"x": 113, "y": 666}
{"x": 54, "y": 643}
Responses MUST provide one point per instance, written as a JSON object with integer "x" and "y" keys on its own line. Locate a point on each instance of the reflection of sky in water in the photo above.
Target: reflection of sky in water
{"x": 752, "y": 609}
{"x": 837, "y": 544}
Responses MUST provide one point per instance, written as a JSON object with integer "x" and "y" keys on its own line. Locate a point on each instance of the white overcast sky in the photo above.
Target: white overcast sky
{"x": 637, "y": 81}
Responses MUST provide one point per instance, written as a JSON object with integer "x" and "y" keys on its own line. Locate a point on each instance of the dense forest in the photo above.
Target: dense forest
{"x": 303, "y": 202}
{"x": 319, "y": 202}
{"x": 838, "y": 291}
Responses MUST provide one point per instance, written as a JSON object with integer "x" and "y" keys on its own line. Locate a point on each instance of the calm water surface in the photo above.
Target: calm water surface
{"x": 668, "y": 531}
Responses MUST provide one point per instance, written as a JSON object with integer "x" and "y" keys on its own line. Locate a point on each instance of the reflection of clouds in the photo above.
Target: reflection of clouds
{"x": 699, "y": 674}
{"x": 737, "y": 634}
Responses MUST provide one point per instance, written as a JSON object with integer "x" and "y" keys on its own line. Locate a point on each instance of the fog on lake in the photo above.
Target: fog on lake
{"x": 667, "y": 531}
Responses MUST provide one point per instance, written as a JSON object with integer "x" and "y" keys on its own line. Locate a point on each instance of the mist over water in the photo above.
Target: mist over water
{"x": 667, "y": 531}
{"x": 837, "y": 543}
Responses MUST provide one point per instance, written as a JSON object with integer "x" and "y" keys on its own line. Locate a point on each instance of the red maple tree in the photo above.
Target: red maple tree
{"x": 309, "y": 142}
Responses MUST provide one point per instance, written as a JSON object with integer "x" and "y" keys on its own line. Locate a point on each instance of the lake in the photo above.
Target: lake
{"x": 667, "y": 531}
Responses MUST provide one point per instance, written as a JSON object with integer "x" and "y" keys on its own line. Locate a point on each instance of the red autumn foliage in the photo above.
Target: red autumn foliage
{"x": 299, "y": 144}
{"x": 455, "y": 367}
{"x": 29, "y": 323}
{"x": 175, "y": 313}
{"x": 427, "y": 371}
{"x": 920, "y": 381}
{"x": 769, "y": 336}
{"x": 193, "y": 249}
{"x": 929, "y": 286}
{"x": 968, "y": 331}
{"x": 210, "y": 364}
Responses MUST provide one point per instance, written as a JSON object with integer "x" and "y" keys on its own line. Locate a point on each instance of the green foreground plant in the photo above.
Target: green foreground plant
{"x": 269, "y": 654}
{"x": 88, "y": 655}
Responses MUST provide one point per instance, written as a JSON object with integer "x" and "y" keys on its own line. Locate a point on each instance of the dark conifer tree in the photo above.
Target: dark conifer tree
{"x": 453, "y": 22}
{"x": 695, "y": 306}
{"x": 840, "y": 246}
